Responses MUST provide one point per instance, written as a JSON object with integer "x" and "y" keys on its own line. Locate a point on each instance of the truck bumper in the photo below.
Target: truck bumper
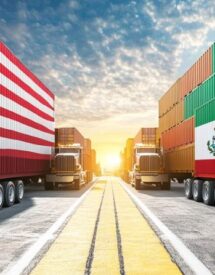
{"x": 153, "y": 178}
{"x": 61, "y": 178}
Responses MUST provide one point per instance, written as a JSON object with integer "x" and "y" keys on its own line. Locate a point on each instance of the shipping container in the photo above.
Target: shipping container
{"x": 213, "y": 58}
{"x": 26, "y": 120}
{"x": 199, "y": 96}
{"x": 93, "y": 158}
{"x": 26, "y": 127}
{"x": 197, "y": 74}
{"x": 170, "y": 98}
{"x": 87, "y": 158}
{"x": 180, "y": 160}
{"x": 147, "y": 136}
{"x": 66, "y": 136}
{"x": 129, "y": 151}
{"x": 205, "y": 141}
{"x": 182, "y": 134}
{"x": 172, "y": 118}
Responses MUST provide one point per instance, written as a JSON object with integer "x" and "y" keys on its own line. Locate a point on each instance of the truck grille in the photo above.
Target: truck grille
{"x": 64, "y": 163}
{"x": 150, "y": 163}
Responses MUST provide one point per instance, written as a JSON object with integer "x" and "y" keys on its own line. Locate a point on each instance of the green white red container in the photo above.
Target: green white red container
{"x": 205, "y": 141}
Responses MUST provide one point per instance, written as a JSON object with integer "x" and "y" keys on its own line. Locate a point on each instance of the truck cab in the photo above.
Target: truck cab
{"x": 66, "y": 168}
{"x": 148, "y": 168}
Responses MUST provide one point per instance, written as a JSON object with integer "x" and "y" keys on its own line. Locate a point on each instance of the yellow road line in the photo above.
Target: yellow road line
{"x": 69, "y": 252}
{"x": 142, "y": 250}
{"x": 106, "y": 254}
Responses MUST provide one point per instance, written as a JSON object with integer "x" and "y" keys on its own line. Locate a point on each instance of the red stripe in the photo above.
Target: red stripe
{"x": 205, "y": 168}
{"x": 9, "y": 74}
{"x": 22, "y": 154}
{"x": 22, "y": 67}
{"x": 7, "y": 93}
{"x": 11, "y": 115}
{"x": 23, "y": 137}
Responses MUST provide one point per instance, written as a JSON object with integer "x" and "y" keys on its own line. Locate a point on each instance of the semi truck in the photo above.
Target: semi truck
{"x": 72, "y": 162}
{"x": 66, "y": 168}
{"x": 148, "y": 168}
{"x": 187, "y": 123}
{"x": 26, "y": 127}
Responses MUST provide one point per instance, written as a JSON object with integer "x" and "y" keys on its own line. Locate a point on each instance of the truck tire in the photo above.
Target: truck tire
{"x": 9, "y": 194}
{"x": 1, "y": 196}
{"x": 188, "y": 188}
{"x": 208, "y": 192}
{"x": 197, "y": 190}
{"x": 165, "y": 185}
{"x": 48, "y": 185}
{"x": 19, "y": 191}
{"x": 137, "y": 184}
{"x": 77, "y": 184}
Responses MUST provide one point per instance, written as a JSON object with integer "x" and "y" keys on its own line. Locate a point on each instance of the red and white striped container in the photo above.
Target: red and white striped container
{"x": 26, "y": 120}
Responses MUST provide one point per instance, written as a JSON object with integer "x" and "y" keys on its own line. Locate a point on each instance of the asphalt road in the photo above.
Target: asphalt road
{"x": 190, "y": 221}
{"x": 22, "y": 224}
{"x": 193, "y": 223}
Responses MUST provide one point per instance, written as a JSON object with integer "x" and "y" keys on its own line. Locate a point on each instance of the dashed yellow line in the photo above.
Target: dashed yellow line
{"x": 142, "y": 250}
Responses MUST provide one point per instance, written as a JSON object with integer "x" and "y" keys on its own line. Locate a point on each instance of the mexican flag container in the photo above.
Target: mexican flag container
{"x": 205, "y": 141}
{"x": 201, "y": 186}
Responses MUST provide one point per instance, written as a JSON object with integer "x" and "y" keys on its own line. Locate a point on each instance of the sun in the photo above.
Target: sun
{"x": 111, "y": 161}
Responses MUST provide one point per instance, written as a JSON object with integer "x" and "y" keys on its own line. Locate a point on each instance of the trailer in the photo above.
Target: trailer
{"x": 26, "y": 127}
{"x": 200, "y": 187}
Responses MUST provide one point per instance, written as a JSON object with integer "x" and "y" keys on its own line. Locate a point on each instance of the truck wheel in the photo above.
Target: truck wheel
{"x": 48, "y": 186}
{"x": 1, "y": 196}
{"x": 197, "y": 190}
{"x": 188, "y": 188}
{"x": 165, "y": 185}
{"x": 9, "y": 194}
{"x": 137, "y": 184}
{"x": 208, "y": 192}
{"x": 77, "y": 184}
{"x": 19, "y": 191}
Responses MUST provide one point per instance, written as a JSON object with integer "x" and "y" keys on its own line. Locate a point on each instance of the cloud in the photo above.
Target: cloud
{"x": 108, "y": 62}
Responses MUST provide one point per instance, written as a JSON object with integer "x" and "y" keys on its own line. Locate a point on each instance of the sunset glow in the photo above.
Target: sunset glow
{"x": 111, "y": 161}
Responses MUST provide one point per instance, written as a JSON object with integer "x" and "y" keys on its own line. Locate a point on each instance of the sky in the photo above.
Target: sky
{"x": 108, "y": 62}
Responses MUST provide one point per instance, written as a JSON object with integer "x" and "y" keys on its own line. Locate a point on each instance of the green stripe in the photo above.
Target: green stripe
{"x": 199, "y": 96}
{"x": 205, "y": 114}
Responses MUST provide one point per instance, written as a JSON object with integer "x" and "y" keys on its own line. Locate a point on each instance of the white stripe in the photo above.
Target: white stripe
{"x": 189, "y": 258}
{"x": 6, "y": 143}
{"x": 25, "y": 260}
{"x": 203, "y": 134}
{"x": 11, "y": 124}
{"x": 21, "y": 75}
{"x": 20, "y": 110}
{"x": 13, "y": 87}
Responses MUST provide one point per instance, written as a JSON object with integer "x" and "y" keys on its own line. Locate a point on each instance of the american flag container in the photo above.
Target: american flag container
{"x": 26, "y": 120}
